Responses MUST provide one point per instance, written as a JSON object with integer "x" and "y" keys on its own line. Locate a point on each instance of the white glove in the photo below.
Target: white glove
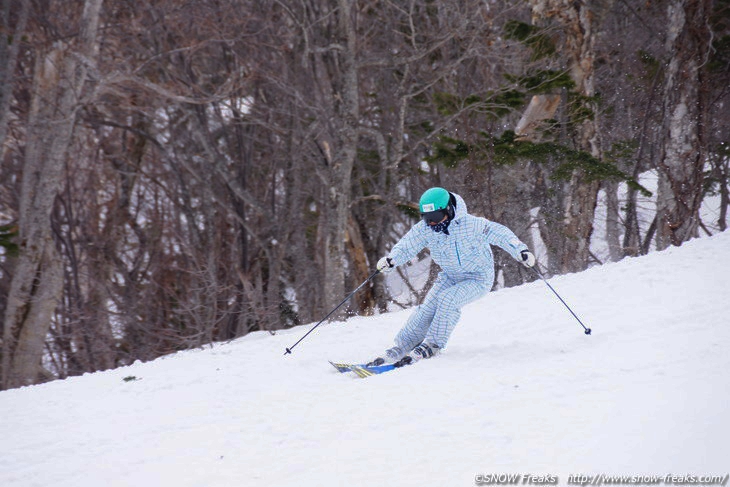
{"x": 528, "y": 259}
{"x": 385, "y": 265}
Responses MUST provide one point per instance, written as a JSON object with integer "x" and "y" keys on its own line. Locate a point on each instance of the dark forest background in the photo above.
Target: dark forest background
{"x": 180, "y": 172}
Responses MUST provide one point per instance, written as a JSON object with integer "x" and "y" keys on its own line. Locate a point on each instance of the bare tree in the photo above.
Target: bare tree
{"x": 572, "y": 247}
{"x": 60, "y": 79}
{"x": 683, "y": 156}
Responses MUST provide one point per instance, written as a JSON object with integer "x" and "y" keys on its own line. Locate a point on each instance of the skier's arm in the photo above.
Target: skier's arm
{"x": 501, "y": 236}
{"x": 408, "y": 246}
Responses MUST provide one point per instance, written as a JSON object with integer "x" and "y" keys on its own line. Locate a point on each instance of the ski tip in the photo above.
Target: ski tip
{"x": 340, "y": 367}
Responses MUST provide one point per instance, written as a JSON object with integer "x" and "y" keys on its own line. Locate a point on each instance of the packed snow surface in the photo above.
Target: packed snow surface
{"x": 520, "y": 390}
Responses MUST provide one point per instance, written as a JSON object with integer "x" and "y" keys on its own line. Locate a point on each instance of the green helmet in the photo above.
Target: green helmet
{"x": 434, "y": 199}
{"x": 435, "y": 205}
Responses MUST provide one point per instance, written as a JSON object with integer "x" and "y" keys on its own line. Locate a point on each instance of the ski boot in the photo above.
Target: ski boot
{"x": 424, "y": 350}
{"x": 390, "y": 356}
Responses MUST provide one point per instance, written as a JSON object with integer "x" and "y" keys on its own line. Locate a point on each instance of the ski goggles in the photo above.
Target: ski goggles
{"x": 434, "y": 217}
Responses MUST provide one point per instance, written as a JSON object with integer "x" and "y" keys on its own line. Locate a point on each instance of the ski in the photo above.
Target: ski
{"x": 362, "y": 370}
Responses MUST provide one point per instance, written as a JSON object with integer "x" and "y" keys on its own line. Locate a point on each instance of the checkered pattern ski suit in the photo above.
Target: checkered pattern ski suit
{"x": 467, "y": 272}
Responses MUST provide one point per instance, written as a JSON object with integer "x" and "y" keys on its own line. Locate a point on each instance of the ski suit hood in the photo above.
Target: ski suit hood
{"x": 460, "y": 210}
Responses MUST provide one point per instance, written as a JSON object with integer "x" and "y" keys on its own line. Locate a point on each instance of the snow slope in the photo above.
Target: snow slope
{"x": 520, "y": 390}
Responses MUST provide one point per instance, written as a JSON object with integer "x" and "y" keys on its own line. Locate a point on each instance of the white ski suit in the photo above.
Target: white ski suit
{"x": 467, "y": 271}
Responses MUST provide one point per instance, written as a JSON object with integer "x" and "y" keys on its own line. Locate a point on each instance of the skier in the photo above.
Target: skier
{"x": 460, "y": 244}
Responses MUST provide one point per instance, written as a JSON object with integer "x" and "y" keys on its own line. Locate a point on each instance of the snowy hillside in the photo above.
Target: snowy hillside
{"x": 519, "y": 390}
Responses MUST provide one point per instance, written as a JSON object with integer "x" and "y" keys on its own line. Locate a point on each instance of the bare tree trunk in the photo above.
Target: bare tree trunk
{"x": 339, "y": 90}
{"x": 613, "y": 221}
{"x": 8, "y": 59}
{"x": 578, "y": 24}
{"x": 723, "y": 176}
{"x": 38, "y": 279}
{"x": 681, "y": 165}
{"x": 364, "y": 302}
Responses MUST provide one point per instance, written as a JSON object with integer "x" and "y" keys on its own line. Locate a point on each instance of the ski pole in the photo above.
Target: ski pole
{"x": 288, "y": 350}
{"x": 587, "y": 331}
